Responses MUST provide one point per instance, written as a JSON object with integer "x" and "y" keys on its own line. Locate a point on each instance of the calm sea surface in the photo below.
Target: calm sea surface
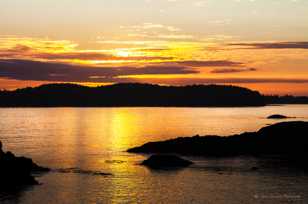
{"x": 95, "y": 139}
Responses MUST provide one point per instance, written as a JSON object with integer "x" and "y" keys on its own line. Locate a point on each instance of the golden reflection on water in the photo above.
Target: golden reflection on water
{"x": 96, "y": 139}
{"x": 73, "y": 136}
{"x": 123, "y": 124}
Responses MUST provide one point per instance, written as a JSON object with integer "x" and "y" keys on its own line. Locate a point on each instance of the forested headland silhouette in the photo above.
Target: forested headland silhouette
{"x": 136, "y": 94}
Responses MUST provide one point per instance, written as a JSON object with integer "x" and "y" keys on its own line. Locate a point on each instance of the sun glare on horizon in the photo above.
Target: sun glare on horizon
{"x": 122, "y": 53}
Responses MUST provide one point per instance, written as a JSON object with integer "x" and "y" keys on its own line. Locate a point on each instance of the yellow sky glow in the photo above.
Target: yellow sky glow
{"x": 257, "y": 44}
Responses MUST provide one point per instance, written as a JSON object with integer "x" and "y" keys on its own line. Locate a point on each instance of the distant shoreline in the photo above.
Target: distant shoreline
{"x": 8, "y": 107}
{"x": 140, "y": 95}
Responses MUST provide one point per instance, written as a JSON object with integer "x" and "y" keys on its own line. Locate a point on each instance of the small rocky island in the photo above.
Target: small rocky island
{"x": 17, "y": 171}
{"x": 277, "y": 117}
{"x": 287, "y": 140}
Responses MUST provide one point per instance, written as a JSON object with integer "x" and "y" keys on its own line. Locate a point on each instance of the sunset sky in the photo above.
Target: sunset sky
{"x": 259, "y": 44}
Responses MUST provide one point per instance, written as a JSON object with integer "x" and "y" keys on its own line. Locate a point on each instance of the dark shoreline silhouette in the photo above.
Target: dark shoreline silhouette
{"x": 140, "y": 95}
{"x": 286, "y": 140}
{"x": 131, "y": 95}
{"x": 288, "y": 99}
{"x": 17, "y": 171}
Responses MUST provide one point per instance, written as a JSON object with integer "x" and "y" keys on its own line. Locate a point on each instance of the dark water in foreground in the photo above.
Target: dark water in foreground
{"x": 94, "y": 139}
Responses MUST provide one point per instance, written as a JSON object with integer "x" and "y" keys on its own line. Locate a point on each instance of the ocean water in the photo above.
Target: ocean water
{"x": 71, "y": 140}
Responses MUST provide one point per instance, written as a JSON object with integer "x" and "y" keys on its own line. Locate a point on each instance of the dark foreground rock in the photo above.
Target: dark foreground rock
{"x": 17, "y": 171}
{"x": 166, "y": 161}
{"x": 288, "y": 140}
{"x": 277, "y": 116}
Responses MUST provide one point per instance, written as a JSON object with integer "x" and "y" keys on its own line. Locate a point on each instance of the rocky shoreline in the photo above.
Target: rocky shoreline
{"x": 17, "y": 171}
{"x": 287, "y": 140}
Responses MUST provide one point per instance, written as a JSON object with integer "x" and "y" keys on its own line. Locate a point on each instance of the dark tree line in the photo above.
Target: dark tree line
{"x": 130, "y": 95}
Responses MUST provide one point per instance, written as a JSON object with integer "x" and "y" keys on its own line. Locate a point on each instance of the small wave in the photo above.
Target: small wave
{"x": 114, "y": 161}
{"x": 81, "y": 171}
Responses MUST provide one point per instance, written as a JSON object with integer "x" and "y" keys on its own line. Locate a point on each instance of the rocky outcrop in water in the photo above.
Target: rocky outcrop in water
{"x": 287, "y": 139}
{"x": 17, "y": 171}
{"x": 161, "y": 161}
{"x": 277, "y": 116}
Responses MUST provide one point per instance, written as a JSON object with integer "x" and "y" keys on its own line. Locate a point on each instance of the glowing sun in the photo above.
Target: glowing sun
{"x": 122, "y": 53}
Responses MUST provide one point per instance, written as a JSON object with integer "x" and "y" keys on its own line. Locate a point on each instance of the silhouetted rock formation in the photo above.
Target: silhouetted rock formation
{"x": 288, "y": 140}
{"x": 161, "y": 161}
{"x": 17, "y": 171}
{"x": 277, "y": 116}
{"x": 55, "y": 95}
